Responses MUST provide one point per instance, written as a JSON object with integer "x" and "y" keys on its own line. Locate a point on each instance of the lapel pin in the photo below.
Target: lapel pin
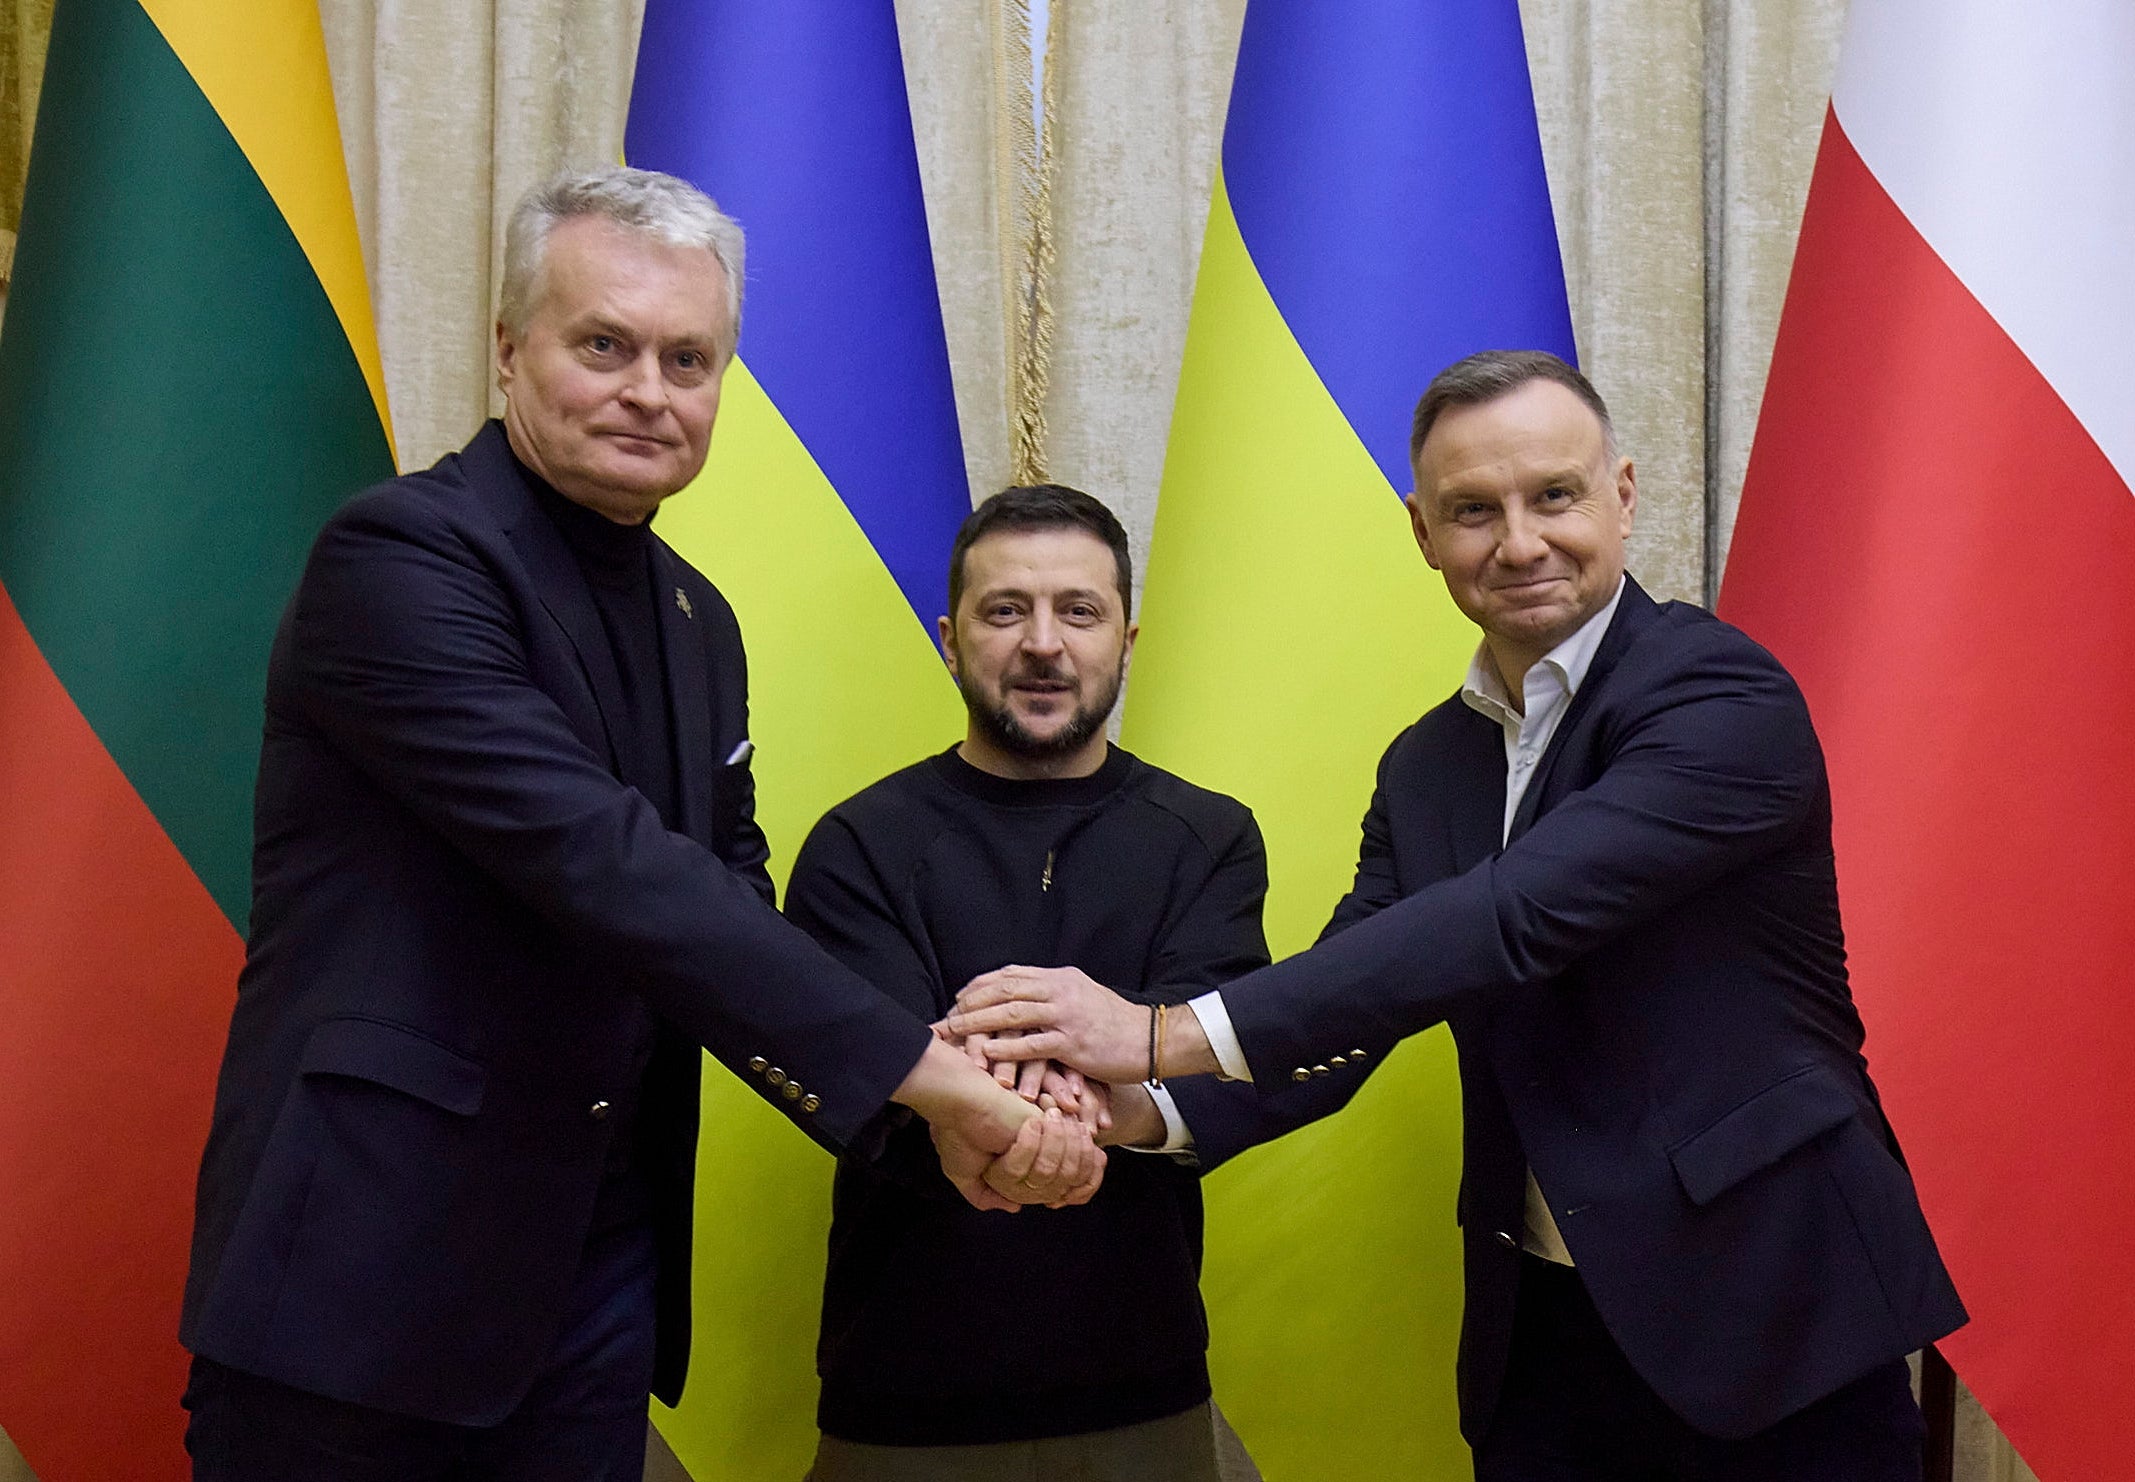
{"x": 682, "y": 601}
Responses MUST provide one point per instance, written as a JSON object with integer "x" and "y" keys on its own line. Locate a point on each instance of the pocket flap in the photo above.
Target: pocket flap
{"x": 1760, "y": 1132}
{"x": 373, "y": 1050}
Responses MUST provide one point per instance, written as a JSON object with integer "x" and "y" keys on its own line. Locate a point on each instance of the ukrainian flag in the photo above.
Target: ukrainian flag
{"x": 189, "y": 384}
{"x": 1380, "y": 211}
{"x": 825, "y": 514}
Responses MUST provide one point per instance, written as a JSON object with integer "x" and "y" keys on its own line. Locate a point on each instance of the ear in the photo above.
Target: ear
{"x": 1421, "y": 527}
{"x": 507, "y": 358}
{"x": 1126, "y": 653}
{"x": 946, "y": 629}
{"x": 1626, "y": 495}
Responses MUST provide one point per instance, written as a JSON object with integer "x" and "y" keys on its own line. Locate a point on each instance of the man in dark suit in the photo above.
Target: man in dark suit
{"x": 507, "y": 880}
{"x": 1692, "y": 1250}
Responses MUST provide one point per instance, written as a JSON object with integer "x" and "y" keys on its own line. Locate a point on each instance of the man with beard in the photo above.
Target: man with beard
{"x": 1032, "y": 841}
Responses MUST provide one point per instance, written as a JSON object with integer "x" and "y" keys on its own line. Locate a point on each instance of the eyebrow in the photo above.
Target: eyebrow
{"x": 988, "y": 594}
{"x": 1564, "y": 473}
{"x": 600, "y": 324}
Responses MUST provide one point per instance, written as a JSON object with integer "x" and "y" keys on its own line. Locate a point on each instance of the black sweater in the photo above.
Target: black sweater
{"x": 932, "y": 876}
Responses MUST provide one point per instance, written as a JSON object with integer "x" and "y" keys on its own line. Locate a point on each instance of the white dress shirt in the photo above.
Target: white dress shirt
{"x": 1548, "y": 689}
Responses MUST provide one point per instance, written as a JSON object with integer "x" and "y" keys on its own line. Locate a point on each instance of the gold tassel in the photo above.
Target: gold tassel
{"x": 1023, "y": 177}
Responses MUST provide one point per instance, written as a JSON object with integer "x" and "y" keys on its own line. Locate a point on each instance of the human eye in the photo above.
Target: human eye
{"x": 602, "y": 346}
{"x": 689, "y": 367}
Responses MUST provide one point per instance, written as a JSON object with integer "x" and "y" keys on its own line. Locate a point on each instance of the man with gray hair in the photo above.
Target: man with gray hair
{"x": 506, "y": 881}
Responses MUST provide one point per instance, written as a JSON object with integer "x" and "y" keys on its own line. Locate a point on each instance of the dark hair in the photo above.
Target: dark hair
{"x": 1042, "y": 507}
{"x": 1489, "y": 375}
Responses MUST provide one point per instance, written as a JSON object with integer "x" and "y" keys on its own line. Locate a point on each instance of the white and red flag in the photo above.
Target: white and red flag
{"x": 1938, "y": 538}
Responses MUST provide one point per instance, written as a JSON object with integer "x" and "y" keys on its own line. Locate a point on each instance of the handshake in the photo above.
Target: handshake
{"x": 1032, "y": 1073}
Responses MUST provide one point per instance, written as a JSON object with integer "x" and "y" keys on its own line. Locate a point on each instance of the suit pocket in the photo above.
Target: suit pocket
{"x": 1761, "y": 1131}
{"x": 389, "y": 1055}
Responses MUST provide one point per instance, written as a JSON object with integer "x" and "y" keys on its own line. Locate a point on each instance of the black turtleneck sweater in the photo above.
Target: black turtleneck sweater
{"x": 617, "y": 563}
{"x": 932, "y": 876}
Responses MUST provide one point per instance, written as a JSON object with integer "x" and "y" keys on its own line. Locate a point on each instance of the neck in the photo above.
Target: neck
{"x": 1512, "y": 670}
{"x": 987, "y": 757}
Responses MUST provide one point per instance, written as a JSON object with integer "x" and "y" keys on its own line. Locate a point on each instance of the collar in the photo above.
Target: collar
{"x": 1036, "y": 792}
{"x": 1484, "y": 690}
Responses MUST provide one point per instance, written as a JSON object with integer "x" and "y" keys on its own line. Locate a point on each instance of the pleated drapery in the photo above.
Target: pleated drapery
{"x": 1679, "y": 136}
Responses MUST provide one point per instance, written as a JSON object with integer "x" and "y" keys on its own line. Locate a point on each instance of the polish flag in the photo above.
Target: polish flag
{"x": 1938, "y": 538}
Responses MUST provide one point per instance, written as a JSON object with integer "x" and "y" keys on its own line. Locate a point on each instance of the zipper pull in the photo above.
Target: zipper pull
{"x": 1045, "y": 881}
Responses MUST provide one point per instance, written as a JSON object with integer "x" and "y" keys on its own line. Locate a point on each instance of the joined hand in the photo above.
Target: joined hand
{"x": 1055, "y": 1013}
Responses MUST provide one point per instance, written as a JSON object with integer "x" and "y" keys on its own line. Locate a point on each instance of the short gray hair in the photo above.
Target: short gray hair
{"x": 661, "y": 206}
{"x": 1493, "y": 373}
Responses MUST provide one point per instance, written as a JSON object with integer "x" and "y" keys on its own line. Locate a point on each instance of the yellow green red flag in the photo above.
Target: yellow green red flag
{"x": 188, "y": 383}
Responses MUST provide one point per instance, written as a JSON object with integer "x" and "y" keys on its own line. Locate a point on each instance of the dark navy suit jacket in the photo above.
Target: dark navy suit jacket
{"x": 1647, "y": 987}
{"x": 455, "y": 902}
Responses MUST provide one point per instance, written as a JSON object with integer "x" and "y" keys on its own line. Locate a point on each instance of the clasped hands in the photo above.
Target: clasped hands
{"x": 1047, "y": 1067}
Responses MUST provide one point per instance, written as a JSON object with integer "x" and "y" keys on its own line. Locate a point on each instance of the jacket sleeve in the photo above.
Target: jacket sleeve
{"x": 1706, "y": 767}
{"x": 1226, "y": 1118}
{"x": 412, "y": 662}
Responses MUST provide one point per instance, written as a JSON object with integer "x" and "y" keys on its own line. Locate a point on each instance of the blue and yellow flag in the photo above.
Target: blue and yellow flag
{"x": 1380, "y": 211}
{"x": 825, "y": 514}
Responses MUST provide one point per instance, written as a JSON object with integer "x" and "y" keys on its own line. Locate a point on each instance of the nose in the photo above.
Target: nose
{"x": 1042, "y": 635}
{"x": 1520, "y": 543}
{"x": 645, "y": 384}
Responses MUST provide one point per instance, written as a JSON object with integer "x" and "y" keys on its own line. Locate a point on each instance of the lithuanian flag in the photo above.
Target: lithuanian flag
{"x": 825, "y": 513}
{"x": 188, "y": 384}
{"x": 1380, "y": 211}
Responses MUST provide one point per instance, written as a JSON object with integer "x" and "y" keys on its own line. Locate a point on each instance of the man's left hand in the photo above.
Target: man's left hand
{"x": 1054, "y": 1162}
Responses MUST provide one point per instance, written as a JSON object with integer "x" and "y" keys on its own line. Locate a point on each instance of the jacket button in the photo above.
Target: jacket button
{"x": 791, "y": 1090}
{"x": 599, "y": 1110}
{"x": 775, "y": 1076}
{"x": 1319, "y": 1070}
{"x": 1356, "y": 1054}
{"x": 810, "y": 1102}
{"x": 1504, "y": 1238}
{"x": 1337, "y": 1061}
{"x": 757, "y": 1064}
{"x": 1301, "y": 1074}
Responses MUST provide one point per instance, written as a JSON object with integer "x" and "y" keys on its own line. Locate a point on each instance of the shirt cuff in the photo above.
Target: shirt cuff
{"x": 1222, "y": 1038}
{"x": 1177, "y": 1137}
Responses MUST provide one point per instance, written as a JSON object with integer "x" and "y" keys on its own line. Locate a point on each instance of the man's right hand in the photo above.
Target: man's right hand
{"x": 1135, "y": 1121}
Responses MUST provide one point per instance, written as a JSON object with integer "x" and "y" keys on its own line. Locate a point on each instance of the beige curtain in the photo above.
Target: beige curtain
{"x": 1679, "y": 136}
{"x": 25, "y": 27}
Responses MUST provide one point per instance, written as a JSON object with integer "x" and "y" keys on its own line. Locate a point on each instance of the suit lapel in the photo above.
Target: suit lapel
{"x": 1634, "y": 614}
{"x": 556, "y": 576}
{"x": 689, "y": 695}
{"x": 1474, "y": 782}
